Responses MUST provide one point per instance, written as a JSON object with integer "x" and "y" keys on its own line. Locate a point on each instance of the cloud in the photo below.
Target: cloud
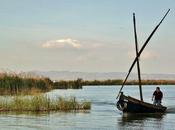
{"x": 62, "y": 43}
{"x": 72, "y": 43}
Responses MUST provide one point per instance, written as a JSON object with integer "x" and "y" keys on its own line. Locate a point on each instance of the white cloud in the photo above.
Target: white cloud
{"x": 61, "y": 43}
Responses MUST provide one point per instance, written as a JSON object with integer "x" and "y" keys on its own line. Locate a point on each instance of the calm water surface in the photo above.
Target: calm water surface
{"x": 102, "y": 116}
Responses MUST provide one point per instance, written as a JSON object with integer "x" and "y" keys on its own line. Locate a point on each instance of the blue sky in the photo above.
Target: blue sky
{"x": 85, "y": 35}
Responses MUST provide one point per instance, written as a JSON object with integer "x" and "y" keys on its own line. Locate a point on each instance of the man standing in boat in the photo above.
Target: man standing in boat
{"x": 157, "y": 96}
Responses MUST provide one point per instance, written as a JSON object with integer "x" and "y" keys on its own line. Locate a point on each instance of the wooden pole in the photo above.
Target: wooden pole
{"x": 141, "y": 50}
{"x": 138, "y": 64}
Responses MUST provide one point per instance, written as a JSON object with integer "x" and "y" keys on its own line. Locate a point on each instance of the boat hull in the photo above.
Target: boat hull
{"x": 131, "y": 105}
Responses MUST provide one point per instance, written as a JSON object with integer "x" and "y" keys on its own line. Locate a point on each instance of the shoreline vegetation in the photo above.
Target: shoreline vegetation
{"x": 14, "y": 84}
{"x": 41, "y": 103}
{"x": 22, "y": 93}
{"x": 79, "y": 83}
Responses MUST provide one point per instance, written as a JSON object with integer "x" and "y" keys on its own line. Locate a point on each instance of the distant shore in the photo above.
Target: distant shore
{"x": 79, "y": 83}
{"x": 13, "y": 84}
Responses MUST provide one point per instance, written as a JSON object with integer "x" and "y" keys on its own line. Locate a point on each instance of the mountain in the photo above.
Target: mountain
{"x": 68, "y": 75}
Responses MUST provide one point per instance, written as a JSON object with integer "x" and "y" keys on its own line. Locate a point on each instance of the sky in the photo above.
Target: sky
{"x": 85, "y": 35}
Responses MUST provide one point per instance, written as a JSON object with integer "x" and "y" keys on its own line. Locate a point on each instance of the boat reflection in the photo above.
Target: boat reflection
{"x": 141, "y": 121}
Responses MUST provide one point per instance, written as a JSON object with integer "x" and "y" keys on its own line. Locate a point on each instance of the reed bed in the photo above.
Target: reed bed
{"x": 14, "y": 84}
{"x": 41, "y": 104}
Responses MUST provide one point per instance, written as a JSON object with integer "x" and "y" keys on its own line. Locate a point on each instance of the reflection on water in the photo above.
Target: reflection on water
{"x": 140, "y": 121}
{"x": 102, "y": 116}
{"x": 171, "y": 109}
{"x": 30, "y": 113}
{"x": 134, "y": 117}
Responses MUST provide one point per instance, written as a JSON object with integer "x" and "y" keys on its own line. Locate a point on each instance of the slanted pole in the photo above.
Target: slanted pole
{"x": 141, "y": 50}
{"x": 138, "y": 64}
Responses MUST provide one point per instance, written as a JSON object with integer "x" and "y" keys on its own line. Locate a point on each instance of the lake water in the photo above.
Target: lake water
{"x": 103, "y": 114}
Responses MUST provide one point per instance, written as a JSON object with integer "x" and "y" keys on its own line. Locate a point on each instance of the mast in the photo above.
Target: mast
{"x": 141, "y": 50}
{"x": 138, "y": 64}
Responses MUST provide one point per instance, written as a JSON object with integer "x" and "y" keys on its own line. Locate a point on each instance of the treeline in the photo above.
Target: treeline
{"x": 102, "y": 82}
{"x": 130, "y": 82}
{"x": 152, "y": 82}
{"x": 77, "y": 84}
{"x": 14, "y": 84}
{"x": 71, "y": 84}
{"x": 17, "y": 84}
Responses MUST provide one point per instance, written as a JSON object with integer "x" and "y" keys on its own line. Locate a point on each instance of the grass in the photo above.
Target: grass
{"x": 14, "y": 84}
{"x": 41, "y": 103}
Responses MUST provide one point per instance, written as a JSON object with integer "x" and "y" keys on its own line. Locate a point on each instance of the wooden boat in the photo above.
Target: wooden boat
{"x": 132, "y": 105}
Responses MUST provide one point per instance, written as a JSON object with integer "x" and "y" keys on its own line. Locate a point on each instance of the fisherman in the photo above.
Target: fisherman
{"x": 157, "y": 96}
